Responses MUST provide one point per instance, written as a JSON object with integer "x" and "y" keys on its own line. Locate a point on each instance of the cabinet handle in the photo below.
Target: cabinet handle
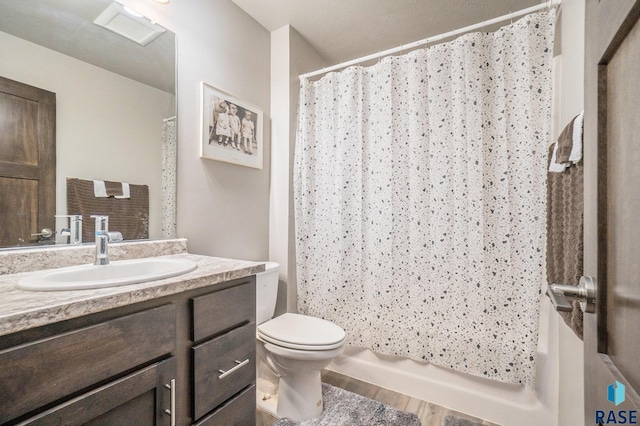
{"x": 237, "y": 367}
{"x": 172, "y": 411}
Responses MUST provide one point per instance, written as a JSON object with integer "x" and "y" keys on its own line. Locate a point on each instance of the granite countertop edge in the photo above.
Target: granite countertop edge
{"x": 22, "y": 310}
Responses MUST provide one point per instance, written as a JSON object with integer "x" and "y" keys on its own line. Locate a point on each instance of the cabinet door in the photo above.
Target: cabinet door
{"x": 140, "y": 398}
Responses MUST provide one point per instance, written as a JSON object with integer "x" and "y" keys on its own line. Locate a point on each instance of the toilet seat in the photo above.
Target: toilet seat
{"x": 302, "y": 332}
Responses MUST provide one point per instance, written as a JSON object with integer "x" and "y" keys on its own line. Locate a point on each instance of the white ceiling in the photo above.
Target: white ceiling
{"x": 67, "y": 27}
{"x": 342, "y": 30}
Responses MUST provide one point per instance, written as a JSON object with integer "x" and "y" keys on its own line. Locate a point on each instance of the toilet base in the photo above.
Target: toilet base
{"x": 300, "y": 395}
{"x": 295, "y": 406}
{"x": 267, "y": 405}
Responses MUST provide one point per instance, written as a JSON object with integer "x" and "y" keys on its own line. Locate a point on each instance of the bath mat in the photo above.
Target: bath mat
{"x": 344, "y": 408}
{"x": 459, "y": 421}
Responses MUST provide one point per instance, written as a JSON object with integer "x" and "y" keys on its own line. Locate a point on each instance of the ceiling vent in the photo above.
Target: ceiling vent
{"x": 127, "y": 23}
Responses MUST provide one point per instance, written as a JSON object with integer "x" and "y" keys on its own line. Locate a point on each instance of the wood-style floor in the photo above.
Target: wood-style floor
{"x": 429, "y": 414}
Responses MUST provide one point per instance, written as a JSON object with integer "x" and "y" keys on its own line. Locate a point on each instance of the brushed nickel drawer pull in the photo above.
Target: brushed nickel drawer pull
{"x": 237, "y": 367}
{"x": 172, "y": 412}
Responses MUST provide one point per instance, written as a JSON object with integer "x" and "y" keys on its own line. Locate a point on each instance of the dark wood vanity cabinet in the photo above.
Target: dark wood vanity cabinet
{"x": 142, "y": 364}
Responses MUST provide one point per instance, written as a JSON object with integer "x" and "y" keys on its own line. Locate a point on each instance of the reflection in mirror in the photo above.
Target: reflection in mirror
{"x": 113, "y": 114}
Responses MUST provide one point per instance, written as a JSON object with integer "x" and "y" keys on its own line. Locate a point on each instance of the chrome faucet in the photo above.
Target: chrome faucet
{"x": 74, "y": 231}
{"x": 102, "y": 239}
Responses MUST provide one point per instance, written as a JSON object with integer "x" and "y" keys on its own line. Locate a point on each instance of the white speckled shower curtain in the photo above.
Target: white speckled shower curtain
{"x": 169, "y": 173}
{"x": 420, "y": 200}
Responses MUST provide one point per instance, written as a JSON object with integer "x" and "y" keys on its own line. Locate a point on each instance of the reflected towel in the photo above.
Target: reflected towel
{"x": 129, "y": 215}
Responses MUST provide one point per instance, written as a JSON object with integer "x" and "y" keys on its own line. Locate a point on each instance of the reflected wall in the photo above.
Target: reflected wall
{"x": 109, "y": 127}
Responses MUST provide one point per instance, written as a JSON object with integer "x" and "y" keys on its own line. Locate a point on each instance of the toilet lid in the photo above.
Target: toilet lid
{"x": 302, "y": 332}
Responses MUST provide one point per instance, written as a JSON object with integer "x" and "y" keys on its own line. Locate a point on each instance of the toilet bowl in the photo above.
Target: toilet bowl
{"x": 296, "y": 348}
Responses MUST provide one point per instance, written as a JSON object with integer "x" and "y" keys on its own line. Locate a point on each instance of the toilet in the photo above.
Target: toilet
{"x": 292, "y": 349}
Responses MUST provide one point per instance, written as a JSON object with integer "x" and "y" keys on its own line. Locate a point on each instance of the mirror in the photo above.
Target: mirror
{"x": 115, "y": 100}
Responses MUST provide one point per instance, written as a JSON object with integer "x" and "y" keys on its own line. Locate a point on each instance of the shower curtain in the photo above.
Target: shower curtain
{"x": 169, "y": 163}
{"x": 420, "y": 196}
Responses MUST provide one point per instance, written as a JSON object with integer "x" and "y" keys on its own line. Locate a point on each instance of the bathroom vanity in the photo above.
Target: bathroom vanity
{"x": 174, "y": 351}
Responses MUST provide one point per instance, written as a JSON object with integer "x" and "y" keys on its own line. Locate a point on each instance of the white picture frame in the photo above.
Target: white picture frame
{"x": 231, "y": 129}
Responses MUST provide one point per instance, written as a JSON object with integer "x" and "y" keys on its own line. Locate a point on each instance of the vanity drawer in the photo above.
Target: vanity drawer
{"x": 238, "y": 411}
{"x": 234, "y": 353}
{"x": 222, "y": 310}
{"x": 39, "y": 373}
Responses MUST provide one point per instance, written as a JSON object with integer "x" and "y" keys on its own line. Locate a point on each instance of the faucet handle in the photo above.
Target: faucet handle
{"x": 75, "y": 227}
{"x": 114, "y": 236}
{"x": 102, "y": 223}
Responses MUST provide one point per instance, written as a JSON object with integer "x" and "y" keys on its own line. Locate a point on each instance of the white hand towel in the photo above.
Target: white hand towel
{"x": 576, "y": 149}
{"x": 99, "y": 189}
{"x": 553, "y": 166}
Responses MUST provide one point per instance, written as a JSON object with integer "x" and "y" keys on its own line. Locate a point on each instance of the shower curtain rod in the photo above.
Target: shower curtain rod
{"x": 546, "y": 5}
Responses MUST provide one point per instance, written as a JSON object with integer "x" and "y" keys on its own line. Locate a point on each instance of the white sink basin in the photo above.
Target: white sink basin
{"x": 116, "y": 273}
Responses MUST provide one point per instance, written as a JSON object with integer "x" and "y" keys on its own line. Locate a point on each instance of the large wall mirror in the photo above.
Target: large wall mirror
{"x": 115, "y": 109}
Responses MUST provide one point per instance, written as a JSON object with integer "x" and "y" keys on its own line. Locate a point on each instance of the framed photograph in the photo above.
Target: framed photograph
{"x": 231, "y": 129}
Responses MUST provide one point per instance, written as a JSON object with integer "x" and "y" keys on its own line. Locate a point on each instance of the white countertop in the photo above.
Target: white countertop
{"x": 21, "y": 310}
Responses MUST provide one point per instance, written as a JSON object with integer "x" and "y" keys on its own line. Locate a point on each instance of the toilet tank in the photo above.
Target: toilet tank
{"x": 266, "y": 292}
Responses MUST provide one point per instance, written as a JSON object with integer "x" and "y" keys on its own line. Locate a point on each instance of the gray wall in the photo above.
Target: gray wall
{"x": 291, "y": 55}
{"x": 222, "y": 208}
